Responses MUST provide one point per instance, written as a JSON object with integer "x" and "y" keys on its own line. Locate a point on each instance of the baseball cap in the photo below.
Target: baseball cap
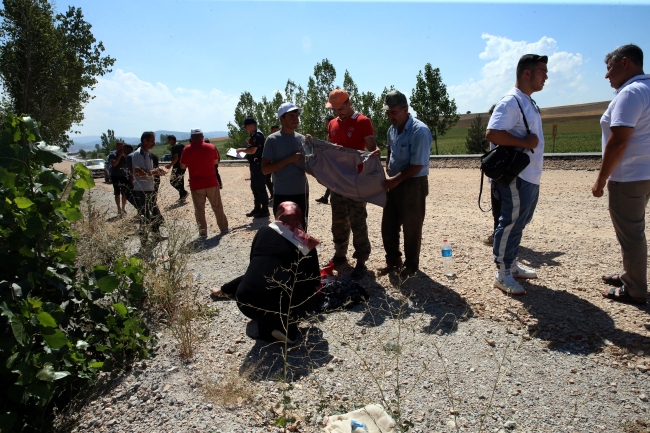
{"x": 196, "y": 131}
{"x": 337, "y": 98}
{"x": 287, "y": 107}
{"x": 393, "y": 99}
{"x": 250, "y": 121}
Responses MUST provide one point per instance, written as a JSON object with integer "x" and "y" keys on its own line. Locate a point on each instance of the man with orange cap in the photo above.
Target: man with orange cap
{"x": 353, "y": 130}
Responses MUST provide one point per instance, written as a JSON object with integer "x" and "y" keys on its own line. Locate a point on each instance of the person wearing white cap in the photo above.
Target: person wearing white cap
{"x": 200, "y": 158}
{"x": 282, "y": 156}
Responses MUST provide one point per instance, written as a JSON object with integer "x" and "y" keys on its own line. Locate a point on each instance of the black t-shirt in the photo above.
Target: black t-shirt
{"x": 256, "y": 140}
{"x": 120, "y": 170}
{"x": 177, "y": 149}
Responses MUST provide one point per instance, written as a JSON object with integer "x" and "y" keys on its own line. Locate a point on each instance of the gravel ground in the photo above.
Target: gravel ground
{"x": 458, "y": 351}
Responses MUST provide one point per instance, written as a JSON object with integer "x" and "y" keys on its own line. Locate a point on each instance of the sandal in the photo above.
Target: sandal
{"x": 613, "y": 280}
{"x": 619, "y": 294}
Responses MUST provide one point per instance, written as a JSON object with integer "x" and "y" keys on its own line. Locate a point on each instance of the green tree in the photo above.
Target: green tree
{"x": 49, "y": 64}
{"x": 318, "y": 88}
{"x": 475, "y": 141}
{"x": 109, "y": 142}
{"x": 245, "y": 107}
{"x": 431, "y": 102}
{"x": 83, "y": 154}
{"x": 353, "y": 91}
{"x": 163, "y": 139}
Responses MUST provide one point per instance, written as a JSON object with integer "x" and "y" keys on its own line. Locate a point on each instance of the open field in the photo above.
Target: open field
{"x": 560, "y": 359}
{"x": 578, "y": 129}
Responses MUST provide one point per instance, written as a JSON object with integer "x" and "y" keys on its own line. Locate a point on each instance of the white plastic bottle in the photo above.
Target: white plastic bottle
{"x": 447, "y": 259}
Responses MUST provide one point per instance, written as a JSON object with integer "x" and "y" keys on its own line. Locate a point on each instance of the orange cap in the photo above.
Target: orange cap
{"x": 337, "y": 98}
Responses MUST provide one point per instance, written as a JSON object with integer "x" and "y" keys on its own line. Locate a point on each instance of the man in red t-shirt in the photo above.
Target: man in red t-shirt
{"x": 200, "y": 158}
{"x": 353, "y": 130}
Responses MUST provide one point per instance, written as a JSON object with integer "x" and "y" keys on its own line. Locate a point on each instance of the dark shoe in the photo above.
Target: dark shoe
{"x": 253, "y": 330}
{"x": 184, "y": 198}
{"x": 322, "y": 200}
{"x": 359, "y": 271}
{"x": 264, "y": 213}
{"x": 619, "y": 294}
{"x": 388, "y": 267}
{"x": 613, "y": 280}
{"x": 408, "y": 272}
{"x": 339, "y": 260}
{"x": 253, "y": 212}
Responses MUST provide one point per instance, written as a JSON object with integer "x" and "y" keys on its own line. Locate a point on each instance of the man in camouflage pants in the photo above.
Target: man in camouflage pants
{"x": 352, "y": 130}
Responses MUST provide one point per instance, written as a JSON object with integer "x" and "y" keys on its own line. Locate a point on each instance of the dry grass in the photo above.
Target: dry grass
{"x": 232, "y": 388}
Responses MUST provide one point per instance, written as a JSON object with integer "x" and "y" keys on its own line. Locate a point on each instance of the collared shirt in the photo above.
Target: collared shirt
{"x": 507, "y": 116}
{"x": 142, "y": 159}
{"x": 631, "y": 108}
{"x": 411, "y": 147}
{"x": 351, "y": 132}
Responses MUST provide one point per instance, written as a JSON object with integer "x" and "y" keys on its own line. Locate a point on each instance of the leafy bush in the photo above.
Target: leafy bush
{"x": 475, "y": 141}
{"x": 59, "y": 325}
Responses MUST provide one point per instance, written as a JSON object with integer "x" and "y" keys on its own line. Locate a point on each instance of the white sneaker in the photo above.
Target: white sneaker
{"x": 522, "y": 273}
{"x": 282, "y": 337}
{"x": 508, "y": 284}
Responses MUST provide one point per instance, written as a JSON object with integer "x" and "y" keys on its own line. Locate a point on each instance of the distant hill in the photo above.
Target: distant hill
{"x": 574, "y": 112}
{"x": 88, "y": 141}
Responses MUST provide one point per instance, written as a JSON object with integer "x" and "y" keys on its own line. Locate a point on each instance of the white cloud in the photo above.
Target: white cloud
{"x": 498, "y": 75}
{"x": 129, "y": 105}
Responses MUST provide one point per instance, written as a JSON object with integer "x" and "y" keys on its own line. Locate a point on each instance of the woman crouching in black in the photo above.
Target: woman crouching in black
{"x": 280, "y": 284}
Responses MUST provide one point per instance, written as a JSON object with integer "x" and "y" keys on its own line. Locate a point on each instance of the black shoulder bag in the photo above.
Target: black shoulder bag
{"x": 504, "y": 163}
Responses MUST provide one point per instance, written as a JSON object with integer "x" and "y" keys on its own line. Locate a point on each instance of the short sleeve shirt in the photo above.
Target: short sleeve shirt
{"x": 142, "y": 159}
{"x": 256, "y": 140}
{"x": 351, "y": 132}
{"x": 411, "y": 147}
{"x": 507, "y": 116}
{"x": 290, "y": 179}
{"x": 177, "y": 149}
{"x": 199, "y": 158}
{"x": 631, "y": 108}
{"x": 120, "y": 170}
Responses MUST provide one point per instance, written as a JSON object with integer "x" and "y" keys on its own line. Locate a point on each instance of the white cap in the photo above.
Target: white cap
{"x": 287, "y": 107}
{"x": 196, "y": 131}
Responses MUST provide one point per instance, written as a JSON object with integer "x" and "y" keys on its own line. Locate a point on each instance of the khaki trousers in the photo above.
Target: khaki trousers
{"x": 627, "y": 203}
{"x": 213, "y": 195}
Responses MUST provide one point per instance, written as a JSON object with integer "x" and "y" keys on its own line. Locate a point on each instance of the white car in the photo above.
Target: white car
{"x": 96, "y": 167}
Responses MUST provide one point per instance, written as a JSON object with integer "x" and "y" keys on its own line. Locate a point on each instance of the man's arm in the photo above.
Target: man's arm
{"x": 614, "y": 149}
{"x": 269, "y": 167}
{"x": 410, "y": 171}
{"x": 372, "y": 147}
{"x": 504, "y": 138}
{"x": 116, "y": 160}
{"x": 247, "y": 150}
{"x": 174, "y": 161}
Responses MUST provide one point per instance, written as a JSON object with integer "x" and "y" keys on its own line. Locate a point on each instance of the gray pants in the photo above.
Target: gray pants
{"x": 627, "y": 203}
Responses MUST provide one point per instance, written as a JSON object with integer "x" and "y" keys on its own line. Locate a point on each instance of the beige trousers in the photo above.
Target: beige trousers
{"x": 627, "y": 203}
{"x": 212, "y": 195}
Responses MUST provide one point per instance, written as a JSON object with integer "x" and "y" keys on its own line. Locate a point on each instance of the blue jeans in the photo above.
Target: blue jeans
{"x": 518, "y": 203}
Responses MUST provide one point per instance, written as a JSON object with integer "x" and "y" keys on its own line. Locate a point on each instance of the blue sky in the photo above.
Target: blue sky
{"x": 183, "y": 64}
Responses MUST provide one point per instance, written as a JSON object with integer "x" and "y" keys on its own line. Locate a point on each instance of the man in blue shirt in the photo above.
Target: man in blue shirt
{"x": 409, "y": 146}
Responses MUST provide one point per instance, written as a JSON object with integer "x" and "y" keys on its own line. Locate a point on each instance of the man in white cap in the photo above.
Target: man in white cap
{"x": 282, "y": 156}
{"x": 200, "y": 158}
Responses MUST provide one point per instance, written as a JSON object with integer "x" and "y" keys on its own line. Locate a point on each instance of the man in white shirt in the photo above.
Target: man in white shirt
{"x": 144, "y": 188}
{"x": 625, "y": 169}
{"x": 516, "y": 122}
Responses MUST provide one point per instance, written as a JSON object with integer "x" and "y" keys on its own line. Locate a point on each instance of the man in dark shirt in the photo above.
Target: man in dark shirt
{"x": 254, "y": 156}
{"x": 117, "y": 159}
{"x": 177, "y": 178}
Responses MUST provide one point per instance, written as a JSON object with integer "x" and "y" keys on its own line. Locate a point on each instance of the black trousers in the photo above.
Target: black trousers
{"x": 177, "y": 180}
{"x": 405, "y": 209}
{"x": 267, "y": 321}
{"x": 150, "y": 217}
{"x": 258, "y": 185}
{"x": 302, "y": 200}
